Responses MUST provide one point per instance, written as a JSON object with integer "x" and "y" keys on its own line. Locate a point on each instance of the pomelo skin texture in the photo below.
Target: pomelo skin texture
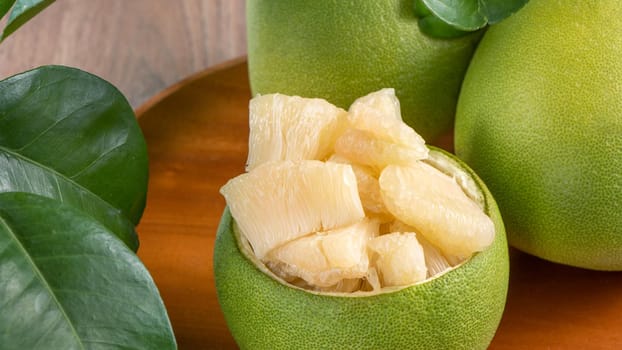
{"x": 460, "y": 309}
{"x": 540, "y": 120}
{"x": 341, "y": 50}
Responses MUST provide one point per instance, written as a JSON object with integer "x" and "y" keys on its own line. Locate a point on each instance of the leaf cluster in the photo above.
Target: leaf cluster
{"x": 73, "y": 186}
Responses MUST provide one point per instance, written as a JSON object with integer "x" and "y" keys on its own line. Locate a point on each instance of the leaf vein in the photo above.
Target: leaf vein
{"x": 53, "y": 125}
{"x": 41, "y": 278}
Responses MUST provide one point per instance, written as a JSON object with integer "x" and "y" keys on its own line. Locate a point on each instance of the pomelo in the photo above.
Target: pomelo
{"x": 459, "y": 309}
{"x": 340, "y": 50}
{"x": 307, "y": 258}
{"x": 540, "y": 120}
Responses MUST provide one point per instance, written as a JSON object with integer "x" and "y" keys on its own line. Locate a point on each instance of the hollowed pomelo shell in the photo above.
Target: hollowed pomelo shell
{"x": 459, "y": 309}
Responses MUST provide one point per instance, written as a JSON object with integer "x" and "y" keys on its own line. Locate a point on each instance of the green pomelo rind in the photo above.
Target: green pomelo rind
{"x": 540, "y": 120}
{"x": 341, "y": 50}
{"x": 459, "y": 309}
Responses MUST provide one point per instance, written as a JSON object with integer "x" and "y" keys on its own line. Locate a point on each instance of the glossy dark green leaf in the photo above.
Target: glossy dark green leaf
{"x": 460, "y": 14}
{"x": 421, "y": 10}
{"x": 497, "y": 10}
{"x": 5, "y": 6}
{"x": 80, "y": 128}
{"x": 435, "y": 27}
{"x": 18, "y": 174}
{"x": 68, "y": 283}
{"x": 23, "y": 10}
{"x": 451, "y": 18}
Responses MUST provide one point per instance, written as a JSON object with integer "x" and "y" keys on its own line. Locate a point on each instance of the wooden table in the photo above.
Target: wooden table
{"x": 197, "y": 138}
{"x": 140, "y": 46}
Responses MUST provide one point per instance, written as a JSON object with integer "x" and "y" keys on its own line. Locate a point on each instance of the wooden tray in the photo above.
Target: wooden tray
{"x": 197, "y": 134}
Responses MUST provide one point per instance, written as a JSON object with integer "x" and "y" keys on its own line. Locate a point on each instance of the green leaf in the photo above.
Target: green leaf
{"x": 460, "y": 14}
{"x": 435, "y": 27}
{"x": 451, "y": 18}
{"x": 421, "y": 10}
{"x": 497, "y": 10}
{"x": 81, "y": 130}
{"x": 19, "y": 174}
{"x": 22, "y": 12}
{"x": 68, "y": 283}
{"x": 5, "y": 6}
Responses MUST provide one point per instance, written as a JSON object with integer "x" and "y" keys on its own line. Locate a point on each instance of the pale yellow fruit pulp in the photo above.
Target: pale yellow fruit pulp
{"x": 399, "y": 258}
{"x": 281, "y": 201}
{"x": 349, "y": 202}
{"x": 324, "y": 259}
{"x": 290, "y": 127}
{"x": 423, "y": 197}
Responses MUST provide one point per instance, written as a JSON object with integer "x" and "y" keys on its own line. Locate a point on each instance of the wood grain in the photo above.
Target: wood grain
{"x": 140, "y": 46}
{"x": 197, "y": 137}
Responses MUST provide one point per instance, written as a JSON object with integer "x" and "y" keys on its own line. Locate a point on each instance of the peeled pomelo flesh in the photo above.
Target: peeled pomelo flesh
{"x": 385, "y": 106}
{"x": 369, "y": 189}
{"x": 379, "y": 113}
{"x": 297, "y": 246}
{"x": 432, "y": 202}
{"x": 363, "y": 147}
{"x": 399, "y": 259}
{"x": 277, "y": 122}
{"x": 324, "y": 259}
{"x": 280, "y": 201}
{"x": 435, "y": 261}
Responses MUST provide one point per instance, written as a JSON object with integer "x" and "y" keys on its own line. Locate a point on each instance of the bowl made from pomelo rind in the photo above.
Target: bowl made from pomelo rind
{"x": 341, "y": 50}
{"x": 459, "y": 309}
{"x": 540, "y": 120}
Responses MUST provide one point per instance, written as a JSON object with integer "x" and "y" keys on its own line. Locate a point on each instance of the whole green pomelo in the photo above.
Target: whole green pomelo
{"x": 341, "y": 50}
{"x": 459, "y": 309}
{"x": 540, "y": 120}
